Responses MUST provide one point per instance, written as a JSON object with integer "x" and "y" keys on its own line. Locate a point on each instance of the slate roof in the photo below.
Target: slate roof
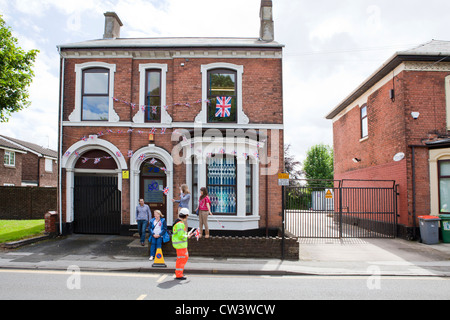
{"x": 26, "y": 146}
{"x": 432, "y": 51}
{"x": 172, "y": 43}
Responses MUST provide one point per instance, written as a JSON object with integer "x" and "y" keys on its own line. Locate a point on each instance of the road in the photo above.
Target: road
{"x": 74, "y": 285}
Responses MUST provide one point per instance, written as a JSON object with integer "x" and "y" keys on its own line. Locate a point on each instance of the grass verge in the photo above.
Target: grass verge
{"x": 13, "y": 230}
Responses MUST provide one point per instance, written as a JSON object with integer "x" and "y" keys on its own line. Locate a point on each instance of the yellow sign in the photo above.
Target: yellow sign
{"x": 159, "y": 260}
{"x": 125, "y": 174}
{"x": 283, "y": 176}
{"x": 329, "y": 194}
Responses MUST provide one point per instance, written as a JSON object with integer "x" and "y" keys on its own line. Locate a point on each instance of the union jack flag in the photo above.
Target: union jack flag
{"x": 153, "y": 161}
{"x": 97, "y": 160}
{"x": 130, "y": 153}
{"x": 142, "y": 157}
{"x": 223, "y": 107}
{"x": 166, "y": 191}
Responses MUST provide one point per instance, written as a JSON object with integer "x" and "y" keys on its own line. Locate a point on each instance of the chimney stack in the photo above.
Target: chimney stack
{"x": 112, "y": 26}
{"x": 266, "y": 32}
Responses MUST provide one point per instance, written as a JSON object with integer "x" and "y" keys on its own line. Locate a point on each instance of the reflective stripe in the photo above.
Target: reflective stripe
{"x": 181, "y": 257}
{"x": 181, "y": 242}
{"x": 179, "y": 269}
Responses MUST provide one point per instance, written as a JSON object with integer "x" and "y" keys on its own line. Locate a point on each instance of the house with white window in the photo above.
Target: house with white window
{"x": 27, "y": 164}
{"x": 396, "y": 126}
{"x": 142, "y": 116}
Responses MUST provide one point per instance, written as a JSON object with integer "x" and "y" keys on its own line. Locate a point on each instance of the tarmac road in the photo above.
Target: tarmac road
{"x": 76, "y": 285}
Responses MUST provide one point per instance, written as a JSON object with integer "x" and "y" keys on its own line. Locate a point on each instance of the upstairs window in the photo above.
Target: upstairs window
{"x": 364, "y": 122}
{"x": 153, "y": 96}
{"x": 9, "y": 158}
{"x": 222, "y": 94}
{"x": 95, "y": 95}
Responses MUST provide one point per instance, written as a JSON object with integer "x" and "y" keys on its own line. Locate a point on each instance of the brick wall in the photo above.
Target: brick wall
{"x": 392, "y": 129}
{"x": 262, "y": 103}
{"x": 239, "y": 247}
{"x": 11, "y": 175}
{"x": 26, "y": 203}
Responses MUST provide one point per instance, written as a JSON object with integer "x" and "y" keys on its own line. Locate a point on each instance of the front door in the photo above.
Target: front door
{"x": 152, "y": 183}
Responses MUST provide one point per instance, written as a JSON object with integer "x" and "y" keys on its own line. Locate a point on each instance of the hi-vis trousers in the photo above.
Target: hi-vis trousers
{"x": 182, "y": 258}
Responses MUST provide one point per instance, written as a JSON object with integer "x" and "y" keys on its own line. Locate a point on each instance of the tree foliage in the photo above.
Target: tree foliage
{"x": 319, "y": 163}
{"x": 291, "y": 164}
{"x": 16, "y": 73}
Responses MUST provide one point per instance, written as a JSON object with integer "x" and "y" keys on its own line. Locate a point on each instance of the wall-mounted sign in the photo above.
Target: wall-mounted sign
{"x": 399, "y": 157}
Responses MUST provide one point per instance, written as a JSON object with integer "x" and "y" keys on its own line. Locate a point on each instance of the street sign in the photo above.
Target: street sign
{"x": 283, "y": 179}
{"x": 329, "y": 194}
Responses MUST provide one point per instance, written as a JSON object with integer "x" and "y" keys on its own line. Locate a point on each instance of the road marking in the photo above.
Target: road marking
{"x": 85, "y": 273}
{"x": 162, "y": 278}
{"x": 142, "y": 297}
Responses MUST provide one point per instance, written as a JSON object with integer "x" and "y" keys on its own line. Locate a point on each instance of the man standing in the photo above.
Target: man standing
{"x": 180, "y": 243}
{"x": 143, "y": 216}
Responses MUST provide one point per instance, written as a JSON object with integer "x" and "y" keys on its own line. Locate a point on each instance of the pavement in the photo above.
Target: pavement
{"x": 321, "y": 257}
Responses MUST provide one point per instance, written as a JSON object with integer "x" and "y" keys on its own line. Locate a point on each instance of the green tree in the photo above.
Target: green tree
{"x": 16, "y": 73}
{"x": 319, "y": 163}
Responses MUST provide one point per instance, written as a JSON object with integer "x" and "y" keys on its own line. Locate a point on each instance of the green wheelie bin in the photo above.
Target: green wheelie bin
{"x": 445, "y": 227}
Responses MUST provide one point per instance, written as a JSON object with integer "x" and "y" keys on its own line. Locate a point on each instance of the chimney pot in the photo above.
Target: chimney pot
{"x": 112, "y": 26}
{"x": 266, "y": 32}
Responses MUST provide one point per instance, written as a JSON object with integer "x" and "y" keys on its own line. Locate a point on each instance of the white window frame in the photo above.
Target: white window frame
{"x": 140, "y": 115}
{"x": 48, "y": 165}
{"x": 241, "y": 116}
{"x": 75, "y": 116}
{"x": 447, "y": 99}
{"x": 9, "y": 164}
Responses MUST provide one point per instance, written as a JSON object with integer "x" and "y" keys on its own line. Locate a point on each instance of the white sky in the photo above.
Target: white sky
{"x": 331, "y": 47}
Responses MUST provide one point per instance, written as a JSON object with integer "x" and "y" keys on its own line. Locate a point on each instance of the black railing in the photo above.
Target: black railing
{"x": 341, "y": 208}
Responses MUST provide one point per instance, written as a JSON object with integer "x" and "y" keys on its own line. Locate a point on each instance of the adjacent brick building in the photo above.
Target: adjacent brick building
{"x": 27, "y": 164}
{"x": 395, "y": 126}
{"x": 140, "y": 117}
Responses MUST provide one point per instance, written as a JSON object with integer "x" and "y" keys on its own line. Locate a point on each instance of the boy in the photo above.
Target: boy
{"x": 180, "y": 243}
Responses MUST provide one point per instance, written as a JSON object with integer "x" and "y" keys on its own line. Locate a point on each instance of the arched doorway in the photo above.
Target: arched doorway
{"x": 153, "y": 180}
{"x": 97, "y": 199}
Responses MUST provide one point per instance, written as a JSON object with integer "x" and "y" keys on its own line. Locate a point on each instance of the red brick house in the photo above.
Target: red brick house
{"x": 27, "y": 164}
{"x": 395, "y": 126}
{"x": 140, "y": 117}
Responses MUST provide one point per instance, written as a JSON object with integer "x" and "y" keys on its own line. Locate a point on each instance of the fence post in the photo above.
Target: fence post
{"x": 340, "y": 210}
{"x": 283, "y": 208}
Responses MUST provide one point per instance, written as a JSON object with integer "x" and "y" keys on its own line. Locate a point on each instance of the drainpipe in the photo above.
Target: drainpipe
{"x": 61, "y": 101}
{"x": 413, "y": 164}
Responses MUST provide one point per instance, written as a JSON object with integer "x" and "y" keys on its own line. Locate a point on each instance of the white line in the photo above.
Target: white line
{"x": 142, "y": 297}
{"x": 85, "y": 273}
{"x": 162, "y": 278}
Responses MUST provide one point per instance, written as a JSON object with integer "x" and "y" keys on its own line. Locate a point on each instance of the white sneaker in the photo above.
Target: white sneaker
{"x": 151, "y": 258}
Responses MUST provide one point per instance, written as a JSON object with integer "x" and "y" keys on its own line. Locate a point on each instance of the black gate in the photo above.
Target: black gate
{"x": 341, "y": 209}
{"x": 97, "y": 205}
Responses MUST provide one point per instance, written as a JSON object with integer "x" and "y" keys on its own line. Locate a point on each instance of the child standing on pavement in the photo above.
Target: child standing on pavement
{"x": 180, "y": 243}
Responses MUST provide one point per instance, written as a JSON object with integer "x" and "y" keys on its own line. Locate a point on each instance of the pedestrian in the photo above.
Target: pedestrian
{"x": 143, "y": 215}
{"x": 185, "y": 197}
{"x": 180, "y": 243}
{"x": 157, "y": 230}
{"x": 204, "y": 209}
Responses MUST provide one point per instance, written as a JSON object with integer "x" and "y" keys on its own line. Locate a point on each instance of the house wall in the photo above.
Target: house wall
{"x": 392, "y": 129}
{"x": 11, "y": 175}
{"x": 262, "y": 103}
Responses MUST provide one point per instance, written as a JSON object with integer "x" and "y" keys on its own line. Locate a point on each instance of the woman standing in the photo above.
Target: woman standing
{"x": 204, "y": 208}
{"x": 157, "y": 229}
{"x": 185, "y": 197}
